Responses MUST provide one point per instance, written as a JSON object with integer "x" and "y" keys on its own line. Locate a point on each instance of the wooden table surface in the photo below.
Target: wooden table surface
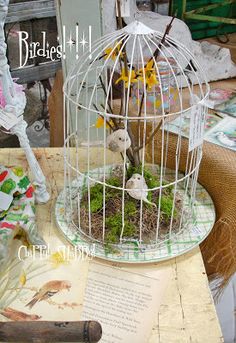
{"x": 187, "y": 314}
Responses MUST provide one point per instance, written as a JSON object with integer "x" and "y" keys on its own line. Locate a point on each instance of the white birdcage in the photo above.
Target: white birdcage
{"x": 130, "y": 169}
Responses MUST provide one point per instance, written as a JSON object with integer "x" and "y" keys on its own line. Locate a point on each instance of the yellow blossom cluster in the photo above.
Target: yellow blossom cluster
{"x": 147, "y": 75}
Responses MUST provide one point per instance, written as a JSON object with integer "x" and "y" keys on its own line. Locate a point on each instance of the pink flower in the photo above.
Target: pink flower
{"x": 18, "y": 90}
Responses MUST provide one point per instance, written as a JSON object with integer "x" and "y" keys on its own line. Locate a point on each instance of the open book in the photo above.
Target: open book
{"x": 124, "y": 301}
{"x": 220, "y": 130}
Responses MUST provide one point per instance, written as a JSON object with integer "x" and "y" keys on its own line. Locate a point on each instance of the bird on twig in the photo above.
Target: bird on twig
{"x": 48, "y": 290}
{"x": 16, "y": 315}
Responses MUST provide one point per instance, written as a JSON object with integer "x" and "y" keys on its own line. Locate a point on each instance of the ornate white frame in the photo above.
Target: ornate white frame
{"x": 15, "y": 104}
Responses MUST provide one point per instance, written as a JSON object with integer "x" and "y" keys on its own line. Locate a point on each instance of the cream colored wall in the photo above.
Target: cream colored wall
{"x": 83, "y": 12}
{"x": 86, "y": 13}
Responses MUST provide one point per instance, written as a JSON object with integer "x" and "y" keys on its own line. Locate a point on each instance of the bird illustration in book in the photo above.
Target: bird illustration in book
{"x": 119, "y": 141}
{"x": 48, "y": 290}
{"x": 226, "y": 139}
{"x": 138, "y": 189}
{"x": 16, "y": 315}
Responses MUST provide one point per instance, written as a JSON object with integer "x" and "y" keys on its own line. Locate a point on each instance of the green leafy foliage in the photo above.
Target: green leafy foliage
{"x": 24, "y": 182}
{"x": 8, "y": 186}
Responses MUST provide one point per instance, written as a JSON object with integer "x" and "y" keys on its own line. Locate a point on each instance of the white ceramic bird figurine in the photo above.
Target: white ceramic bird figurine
{"x": 222, "y": 138}
{"x": 138, "y": 189}
{"x": 119, "y": 141}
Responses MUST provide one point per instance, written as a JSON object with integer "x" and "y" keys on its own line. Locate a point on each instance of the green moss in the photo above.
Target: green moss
{"x": 96, "y": 204}
{"x": 96, "y": 194}
{"x": 129, "y": 229}
{"x": 95, "y": 190}
{"x": 167, "y": 206}
{"x": 113, "y": 181}
{"x": 111, "y": 237}
{"x": 114, "y": 225}
{"x": 130, "y": 208}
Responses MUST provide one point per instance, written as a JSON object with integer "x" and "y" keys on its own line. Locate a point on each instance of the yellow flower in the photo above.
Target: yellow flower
{"x": 100, "y": 123}
{"x": 151, "y": 81}
{"x": 174, "y": 92}
{"x": 150, "y": 75}
{"x": 149, "y": 66}
{"x": 58, "y": 258}
{"x": 131, "y": 75}
{"x": 23, "y": 278}
{"x": 158, "y": 103}
{"x": 113, "y": 52}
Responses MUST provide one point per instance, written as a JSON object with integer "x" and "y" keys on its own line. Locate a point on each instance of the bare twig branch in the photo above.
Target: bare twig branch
{"x": 131, "y": 153}
{"x": 151, "y": 136}
{"x": 155, "y": 55}
{"x": 120, "y": 26}
{"x": 167, "y": 30}
{"x": 105, "y": 92}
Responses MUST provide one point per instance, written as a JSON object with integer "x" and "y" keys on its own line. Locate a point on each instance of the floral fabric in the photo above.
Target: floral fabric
{"x": 20, "y": 216}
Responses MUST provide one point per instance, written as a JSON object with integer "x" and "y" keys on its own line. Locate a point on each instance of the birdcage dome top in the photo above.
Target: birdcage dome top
{"x": 137, "y": 28}
{"x": 154, "y": 62}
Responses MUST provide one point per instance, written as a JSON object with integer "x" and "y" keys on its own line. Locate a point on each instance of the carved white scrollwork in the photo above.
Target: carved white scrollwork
{"x": 15, "y": 104}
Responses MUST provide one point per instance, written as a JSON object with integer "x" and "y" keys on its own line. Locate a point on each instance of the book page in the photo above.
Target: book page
{"x": 124, "y": 302}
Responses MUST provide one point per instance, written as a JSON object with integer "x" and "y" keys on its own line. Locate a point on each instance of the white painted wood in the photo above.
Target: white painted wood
{"x": 225, "y": 308}
{"x": 16, "y": 104}
{"x": 30, "y": 10}
{"x": 36, "y": 73}
{"x": 84, "y": 13}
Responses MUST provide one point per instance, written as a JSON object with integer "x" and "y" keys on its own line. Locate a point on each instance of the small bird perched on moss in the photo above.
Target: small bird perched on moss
{"x": 119, "y": 141}
{"x": 48, "y": 290}
{"x": 138, "y": 189}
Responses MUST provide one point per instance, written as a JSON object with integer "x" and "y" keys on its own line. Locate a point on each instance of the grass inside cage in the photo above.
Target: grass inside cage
{"x": 132, "y": 211}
